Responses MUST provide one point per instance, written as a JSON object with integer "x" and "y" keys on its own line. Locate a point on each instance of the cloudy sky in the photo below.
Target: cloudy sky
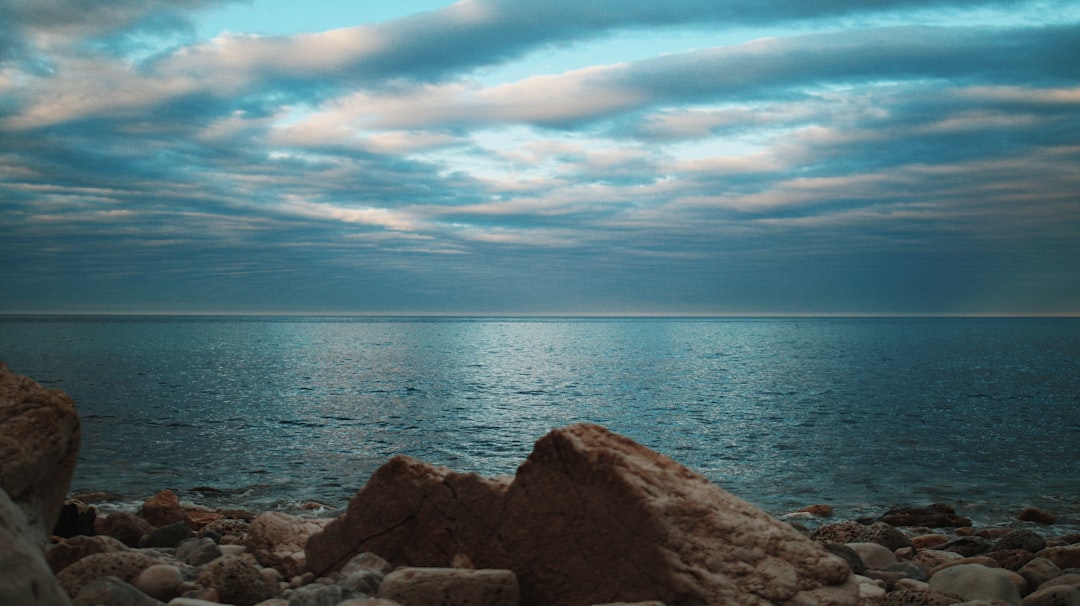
{"x": 500, "y": 156}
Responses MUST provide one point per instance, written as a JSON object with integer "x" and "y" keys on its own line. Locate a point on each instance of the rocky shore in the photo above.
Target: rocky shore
{"x": 590, "y": 517}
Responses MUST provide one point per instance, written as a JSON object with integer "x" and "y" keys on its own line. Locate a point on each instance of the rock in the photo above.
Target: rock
{"x": 278, "y": 540}
{"x": 874, "y": 556}
{"x": 819, "y": 510}
{"x": 919, "y": 597}
{"x": 934, "y": 516}
{"x": 160, "y": 581}
{"x": 197, "y": 552}
{"x": 932, "y": 558}
{"x": 590, "y": 517}
{"x": 928, "y": 541}
{"x": 237, "y": 581}
{"x": 166, "y": 536}
{"x": 1039, "y": 571}
{"x": 231, "y": 530}
{"x": 450, "y": 586}
{"x": 124, "y": 565}
{"x": 1061, "y": 595}
{"x": 362, "y": 581}
{"x": 162, "y": 509}
{"x": 847, "y": 554}
{"x": 1034, "y": 514}
{"x": 909, "y": 570}
{"x": 69, "y": 551}
{"x": 39, "y": 442}
{"x": 1071, "y": 579}
{"x": 967, "y": 546}
{"x": 127, "y": 527}
{"x": 111, "y": 591}
{"x": 324, "y": 595}
{"x": 980, "y": 560}
{"x": 367, "y": 561}
{"x": 839, "y": 532}
{"x": 1021, "y": 539}
{"x": 883, "y": 534}
{"x": 198, "y": 520}
{"x": 1011, "y": 559}
{"x": 976, "y": 582}
{"x": 25, "y": 577}
{"x": 1066, "y": 556}
{"x": 76, "y": 518}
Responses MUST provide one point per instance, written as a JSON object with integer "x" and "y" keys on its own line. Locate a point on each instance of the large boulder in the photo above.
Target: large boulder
{"x": 25, "y": 577}
{"x": 591, "y": 517}
{"x": 277, "y": 540}
{"x": 39, "y": 442}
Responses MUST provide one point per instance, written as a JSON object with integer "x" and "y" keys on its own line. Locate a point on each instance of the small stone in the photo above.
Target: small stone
{"x": 160, "y": 581}
{"x": 819, "y": 510}
{"x": 322, "y": 595}
{"x": 230, "y": 530}
{"x": 1034, "y": 514}
{"x": 967, "y": 546}
{"x": 367, "y": 561}
{"x": 485, "y": 587}
{"x": 363, "y": 581}
{"x": 197, "y": 552}
{"x": 838, "y": 532}
{"x": 929, "y": 541}
{"x": 933, "y": 516}
{"x": 980, "y": 560}
{"x": 874, "y": 556}
{"x": 976, "y": 582}
{"x": 932, "y": 558}
{"x": 911, "y": 584}
{"x": 884, "y": 534}
{"x": 909, "y": 570}
{"x": 992, "y": 533}
{"x": 1011, "y": 559}
{"x": 162, "y": 509}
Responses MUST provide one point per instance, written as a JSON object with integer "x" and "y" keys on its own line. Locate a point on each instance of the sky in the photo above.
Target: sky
{"x": 558, "y": 157}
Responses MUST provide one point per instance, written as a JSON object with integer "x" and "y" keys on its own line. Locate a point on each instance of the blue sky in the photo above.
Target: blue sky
{"x": 486, "y": 156}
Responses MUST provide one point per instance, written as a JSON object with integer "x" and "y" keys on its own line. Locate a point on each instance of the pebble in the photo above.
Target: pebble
{"x": 161, "y": 581}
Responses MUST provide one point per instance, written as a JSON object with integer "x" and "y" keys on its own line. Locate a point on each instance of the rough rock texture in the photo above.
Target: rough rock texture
{"x": 124, "y": 565}
{"x": 1066, "y": 556}
{"x": 111, "y": 591}
{"x": 25, "y": 577}
{"x": 162, "y": 509}
{"x": 69, "y": 551}
{"x": 590, "y": 517}
{"x": 126, "y": 527}
{"x": 976, "y": 582}
{"x": 450, "y": 587}
{"x": 1060, "y": 595}
{"x": 277, "y": 540}
{"x": 237, "y": 581}
{"x": 39, "y": 442}
{"x": 838, "y": 532}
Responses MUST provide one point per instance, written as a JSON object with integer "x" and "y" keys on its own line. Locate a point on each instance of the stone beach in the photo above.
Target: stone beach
{"x": 590, "y": 517}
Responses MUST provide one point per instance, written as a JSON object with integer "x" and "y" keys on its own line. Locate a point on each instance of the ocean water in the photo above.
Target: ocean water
{"x": 859, "y": 413}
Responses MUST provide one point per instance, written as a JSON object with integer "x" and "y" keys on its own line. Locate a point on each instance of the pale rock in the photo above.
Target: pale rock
{"x": 838, "y": 532}
{"x": 911, "y": 584}
{"x": 278, "y": 540}
{"x": 932, "y": 558}
{"x": 111, "y": 591}
{"x": 233, "y": 550}
{"x": 370, "y": 602}
{"x": 124, "y": 565}
{"x": 976, "y": 582}
{"x": 362, "y": 580}
{"x": 324, "y": 595}
{"x": 873, "y": 555}
{"x": 160, "y": 581}
{"x": 587, "y": 512}
{"x": 870, "y": 592}
{"x": 39, "y": 442}
{"x": 69, "y": 551}
{"x": 277, "y": 602}
{"x": 929, "y": 541}
{"x": 451, "y": 587}
{"x": 980, "y": 560}
{"x": 367, "y": 561}
{"x": 237, "y": 581}
{"x": 25, "y": 577}
{"x": 191, "y": 602}
{"x": 1039, "y": 571}
{"x": 1059, "y": 595}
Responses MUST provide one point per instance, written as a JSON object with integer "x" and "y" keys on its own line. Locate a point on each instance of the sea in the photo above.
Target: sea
{"x": 863, "y": 414}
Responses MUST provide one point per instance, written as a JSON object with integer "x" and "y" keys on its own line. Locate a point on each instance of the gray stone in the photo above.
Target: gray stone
{"x": 885, "y": 535}
{"x": 976, "y": 582}
{"x": 160, "y": 581}
{"x": 25, "y": 577}
{"x": 1021, "y": 539}
{"x": 367, "y": 561}
{"x": 451, "y": 587}
{"x": 967, "y": 546}
{"x": 318, "y": 594}
{"x": 111, "y": 591}
{"x": 166, "y": 536}
{"x": 873, "y": 555}
{"x": 237, "y": 581}
{"x": 362, "y": 580}
{"x": 1060, "y": 595}
{"x": 197, "y": 552}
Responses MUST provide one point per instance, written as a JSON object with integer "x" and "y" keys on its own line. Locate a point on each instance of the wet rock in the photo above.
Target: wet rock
{"x": 1021, "y": 539}
{"x": 976, "y": 582}
{"x": 819, "y": 510}
{"x": 126, "y": 527}
{"x": 1034, "y": 514}
{"x": 585, "y": 515}
{"x": 237, "y": 581}
{"x": 278, "y": 540}
{"x": 39, "y": 442}
{"x": 69, "y": 551}
{"x": 451, "y": 586}
{"x": 25, "y": 577}
{"x": 937, "y": 515}
{"x": 967, "y": 546}
{"x": 162, "y": 509}
{"x": 197, "y": 552}
{"x": 884, "y": 534}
